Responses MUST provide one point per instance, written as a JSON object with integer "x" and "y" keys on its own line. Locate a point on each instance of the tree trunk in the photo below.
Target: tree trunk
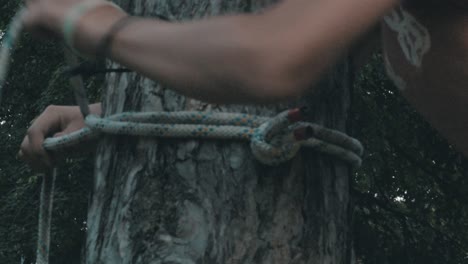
{"x": 194, "y": 201}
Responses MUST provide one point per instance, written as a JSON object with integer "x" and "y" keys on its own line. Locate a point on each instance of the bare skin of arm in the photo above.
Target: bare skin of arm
{"x": 246, "y": 58}
{"x": 438, "y": 88}
{"x": 259, "y": 58}
{"x": 233, "y": 59}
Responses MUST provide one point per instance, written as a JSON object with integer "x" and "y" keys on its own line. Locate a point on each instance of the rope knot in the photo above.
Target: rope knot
{"x": 272, "y": 143}
{"x": 280, "y": 138}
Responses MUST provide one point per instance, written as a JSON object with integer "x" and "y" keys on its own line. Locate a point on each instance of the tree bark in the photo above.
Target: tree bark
{"x": 194, "y": 201}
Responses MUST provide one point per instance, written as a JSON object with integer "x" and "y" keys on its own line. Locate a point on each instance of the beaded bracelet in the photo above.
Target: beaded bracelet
{"x": 73, "y": 16}
{"x": 104, "y": 46}
{"x": 88, "y": 68}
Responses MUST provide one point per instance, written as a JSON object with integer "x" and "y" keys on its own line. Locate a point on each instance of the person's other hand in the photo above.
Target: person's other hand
{"x": 54, "y": 121}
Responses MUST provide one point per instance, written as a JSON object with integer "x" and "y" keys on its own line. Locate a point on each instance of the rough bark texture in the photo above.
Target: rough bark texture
{"x": 187, "y": 201}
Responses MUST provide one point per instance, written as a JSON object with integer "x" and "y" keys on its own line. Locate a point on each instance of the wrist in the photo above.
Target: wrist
{"x": 89, "y": 29}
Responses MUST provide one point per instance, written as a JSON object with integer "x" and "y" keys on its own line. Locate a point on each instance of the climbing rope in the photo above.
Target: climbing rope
{"x": 45, "y": 217}
{"x": 273, "y": 140}
{"x": 8, "y": 44}
{"x": 48, "y": 181}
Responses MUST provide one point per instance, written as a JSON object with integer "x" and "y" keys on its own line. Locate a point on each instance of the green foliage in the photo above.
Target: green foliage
{"x": 411, "y": 194}
{"x": 34, "y": 82}
{"x": 412, "y": 191}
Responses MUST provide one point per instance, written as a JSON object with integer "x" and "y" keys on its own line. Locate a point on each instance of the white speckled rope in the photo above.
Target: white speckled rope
{"x": 273, "y": 140}
{"x": 45, "y": 217}
{"x": 8, "y": 44}
{"x": 48, "y": 181}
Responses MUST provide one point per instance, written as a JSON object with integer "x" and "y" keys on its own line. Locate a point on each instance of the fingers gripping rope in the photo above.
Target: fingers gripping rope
{"x": 273, "y": 140}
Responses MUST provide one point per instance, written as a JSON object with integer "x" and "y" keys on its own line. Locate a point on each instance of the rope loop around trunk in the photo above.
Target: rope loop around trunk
{"x": 273, "y": 140}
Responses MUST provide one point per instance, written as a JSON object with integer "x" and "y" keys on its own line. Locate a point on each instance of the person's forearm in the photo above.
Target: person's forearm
{"x": 243, "y": 58}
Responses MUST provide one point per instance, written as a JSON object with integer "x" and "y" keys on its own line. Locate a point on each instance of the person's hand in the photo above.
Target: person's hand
{"x": 46, "y": 18}
{"x": 54, "y": 121}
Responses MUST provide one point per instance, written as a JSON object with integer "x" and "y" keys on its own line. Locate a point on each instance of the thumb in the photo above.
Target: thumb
{"x": 68, "y": 130}
{"x": 59, "y": 134}
{"x": 31, "y": 20}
